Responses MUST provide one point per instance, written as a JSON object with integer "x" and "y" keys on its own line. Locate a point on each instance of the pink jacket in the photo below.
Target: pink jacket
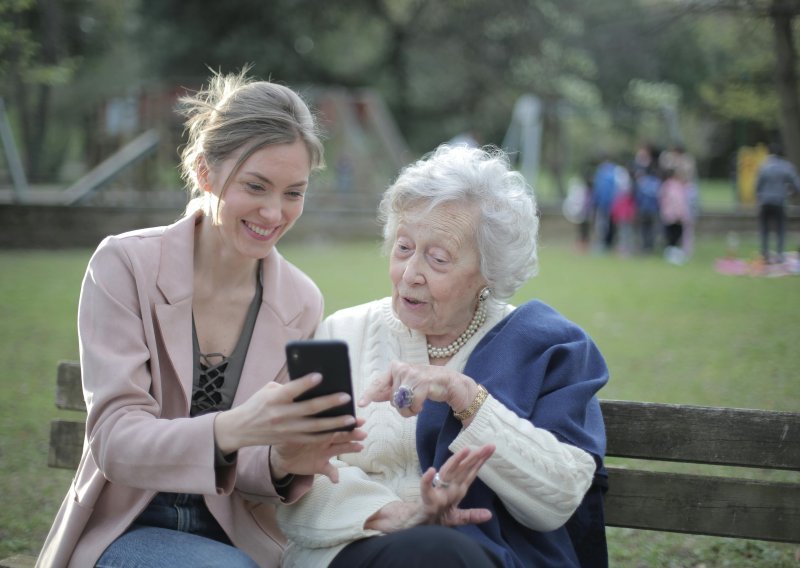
{"x": 673, "y": 198}
{"x": 135, "y": 329}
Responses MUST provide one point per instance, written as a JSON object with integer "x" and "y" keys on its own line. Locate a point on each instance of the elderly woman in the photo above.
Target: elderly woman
{"x": 484, "y": 431}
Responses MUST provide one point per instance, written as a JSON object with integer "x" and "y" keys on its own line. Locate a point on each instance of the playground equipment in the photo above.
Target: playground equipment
{"x": 523, "y": 138}
{"x": 364, "y": 151}
{"x": 12, "y": 157}
{"x": 138, "y": 148}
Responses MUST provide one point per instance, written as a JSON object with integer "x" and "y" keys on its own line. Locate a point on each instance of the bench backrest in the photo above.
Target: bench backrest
{"x": 714, "y": 504}
{"x": 66, "y": 436}
{"x": 639, "y": 496}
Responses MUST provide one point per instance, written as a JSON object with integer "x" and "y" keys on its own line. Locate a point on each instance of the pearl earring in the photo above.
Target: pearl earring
{"x": 484, "y": 294}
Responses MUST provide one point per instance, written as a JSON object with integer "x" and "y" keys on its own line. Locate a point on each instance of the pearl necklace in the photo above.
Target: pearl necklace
{"x": 453, "y": 348}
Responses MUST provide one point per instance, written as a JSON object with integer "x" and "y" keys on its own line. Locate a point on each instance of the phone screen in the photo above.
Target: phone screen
{"x": 331, "y": 360}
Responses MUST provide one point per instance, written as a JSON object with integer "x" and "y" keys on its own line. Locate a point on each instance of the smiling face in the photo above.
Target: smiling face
{"x": 263, "y": 198}
{"x": 435, "y": 271}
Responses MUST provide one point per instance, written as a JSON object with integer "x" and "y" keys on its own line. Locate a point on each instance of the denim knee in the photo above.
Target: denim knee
{"x": 144, "y": 546}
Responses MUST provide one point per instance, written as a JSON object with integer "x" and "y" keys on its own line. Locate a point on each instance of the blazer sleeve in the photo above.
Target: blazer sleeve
{"x": 129, "y": 443}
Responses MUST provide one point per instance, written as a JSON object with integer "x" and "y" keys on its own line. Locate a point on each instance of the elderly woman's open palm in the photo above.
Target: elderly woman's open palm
{"x": 440, "y": 494}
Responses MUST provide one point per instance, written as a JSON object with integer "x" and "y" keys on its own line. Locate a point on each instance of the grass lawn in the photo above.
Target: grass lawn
{"x": 670, "y": 334}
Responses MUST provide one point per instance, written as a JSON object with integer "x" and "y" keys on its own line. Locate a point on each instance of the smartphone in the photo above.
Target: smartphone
{"x": 331, "y": 360}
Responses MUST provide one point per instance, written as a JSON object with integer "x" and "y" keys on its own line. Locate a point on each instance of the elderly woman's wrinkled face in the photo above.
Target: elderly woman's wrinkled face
{"x": 435, "y": 270}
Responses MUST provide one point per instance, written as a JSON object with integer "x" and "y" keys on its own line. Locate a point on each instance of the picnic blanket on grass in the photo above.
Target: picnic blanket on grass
{"x": 757, "y": 267}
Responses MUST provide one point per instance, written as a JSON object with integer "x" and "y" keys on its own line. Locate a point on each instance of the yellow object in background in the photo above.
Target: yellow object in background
{"x": 748, "y": 161}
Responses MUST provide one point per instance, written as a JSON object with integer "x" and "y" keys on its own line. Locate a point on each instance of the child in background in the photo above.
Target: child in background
{"x": 577, "y": 209}
{"x": 675, "y": 214}
{"x": 647, "y": 213}
{"x": 623, "y": 213}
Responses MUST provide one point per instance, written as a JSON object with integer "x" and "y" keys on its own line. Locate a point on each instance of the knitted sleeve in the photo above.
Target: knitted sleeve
{"x": 540, "y": 480}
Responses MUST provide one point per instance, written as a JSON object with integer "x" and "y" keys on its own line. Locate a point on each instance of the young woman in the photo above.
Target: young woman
{"x": 192, "y": 434}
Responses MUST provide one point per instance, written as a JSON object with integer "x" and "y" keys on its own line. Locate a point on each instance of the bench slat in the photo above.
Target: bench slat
{"x": 66, "y": 444}
{"x": 703, "y": 505}
{"x": 69, "y": 391}
{"x": 699, "y": 434}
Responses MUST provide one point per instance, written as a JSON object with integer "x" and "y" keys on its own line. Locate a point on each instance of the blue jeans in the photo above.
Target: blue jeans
{"x": 175, "y": 530}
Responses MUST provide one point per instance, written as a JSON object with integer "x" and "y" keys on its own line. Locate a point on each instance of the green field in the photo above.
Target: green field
{"x": 670, "y": 334}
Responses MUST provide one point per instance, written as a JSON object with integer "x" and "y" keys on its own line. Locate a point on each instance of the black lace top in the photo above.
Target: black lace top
{"x": 216, "y": 376}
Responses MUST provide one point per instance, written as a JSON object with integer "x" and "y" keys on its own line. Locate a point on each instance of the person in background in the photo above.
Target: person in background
{"x": 486, "y": 439}
{"x": 643, "y": 159}
{"x": 577, "y": 208}
{"x": 647, "y": 185}
{"x": 192, "y": 433}
{"x": 777, "y": 179}
{"x": 585, "y": 222}
{"x": 623, "y": 213}
{"x": 674, "y": 208}
{"x": 604, "y": 190}
{"x": 682, "y": 164}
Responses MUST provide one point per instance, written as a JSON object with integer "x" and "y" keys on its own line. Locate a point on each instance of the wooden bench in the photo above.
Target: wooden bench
{"x": 639, "y": 497}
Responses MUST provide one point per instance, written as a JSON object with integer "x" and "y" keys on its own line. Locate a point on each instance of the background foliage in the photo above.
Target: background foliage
{"x": 701, "y": 72}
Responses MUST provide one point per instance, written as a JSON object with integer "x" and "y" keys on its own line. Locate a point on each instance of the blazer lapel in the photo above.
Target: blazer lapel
{"x": 176, "y": 281}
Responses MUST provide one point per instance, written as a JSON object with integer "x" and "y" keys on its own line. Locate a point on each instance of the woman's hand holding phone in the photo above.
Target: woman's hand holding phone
{"x": 302, "y": 442}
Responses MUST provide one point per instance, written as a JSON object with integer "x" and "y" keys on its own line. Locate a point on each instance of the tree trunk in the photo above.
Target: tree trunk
{"x": 399, "y": 65}
{"x": 781, "y": 13}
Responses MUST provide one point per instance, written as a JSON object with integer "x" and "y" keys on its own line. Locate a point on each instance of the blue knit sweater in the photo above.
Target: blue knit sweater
{"x": 546, "y": 369}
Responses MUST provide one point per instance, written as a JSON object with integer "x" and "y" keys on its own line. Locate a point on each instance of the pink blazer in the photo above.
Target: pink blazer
{"x": 135, "y": 330}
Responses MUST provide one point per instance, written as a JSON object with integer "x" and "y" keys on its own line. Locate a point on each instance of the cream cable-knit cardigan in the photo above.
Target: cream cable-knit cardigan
{"x": 541, "y": 488}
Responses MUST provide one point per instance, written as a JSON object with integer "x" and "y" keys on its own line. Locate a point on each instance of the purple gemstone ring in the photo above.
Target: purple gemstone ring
{"x": 403, "y": 397}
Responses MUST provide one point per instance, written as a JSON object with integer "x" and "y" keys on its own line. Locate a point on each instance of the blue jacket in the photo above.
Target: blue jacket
{"x": 604, "y": 186}
{"x": 546, "y": 369}
{"x": 647, "y": 188}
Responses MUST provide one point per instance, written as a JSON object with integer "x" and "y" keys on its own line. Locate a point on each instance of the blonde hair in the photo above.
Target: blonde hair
{"x": 235, "y": 111}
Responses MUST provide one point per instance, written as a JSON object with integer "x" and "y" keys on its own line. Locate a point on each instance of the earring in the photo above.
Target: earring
{"x": 484, "y": 294}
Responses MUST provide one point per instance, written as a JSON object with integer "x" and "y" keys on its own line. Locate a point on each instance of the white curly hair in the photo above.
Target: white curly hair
{"x": 507, "y": 231}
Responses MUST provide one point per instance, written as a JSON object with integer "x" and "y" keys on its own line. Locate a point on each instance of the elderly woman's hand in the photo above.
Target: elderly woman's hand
{"x": 420, "y": 382}
{"x": 440, "y": 493}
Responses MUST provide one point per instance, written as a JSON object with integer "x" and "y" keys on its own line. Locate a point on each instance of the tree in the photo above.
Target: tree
{"x": 44, "y": 45}
{"x": 439, "y": 64}
{"x": 781, "y": 15}
{"x": 32, "y": 60}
